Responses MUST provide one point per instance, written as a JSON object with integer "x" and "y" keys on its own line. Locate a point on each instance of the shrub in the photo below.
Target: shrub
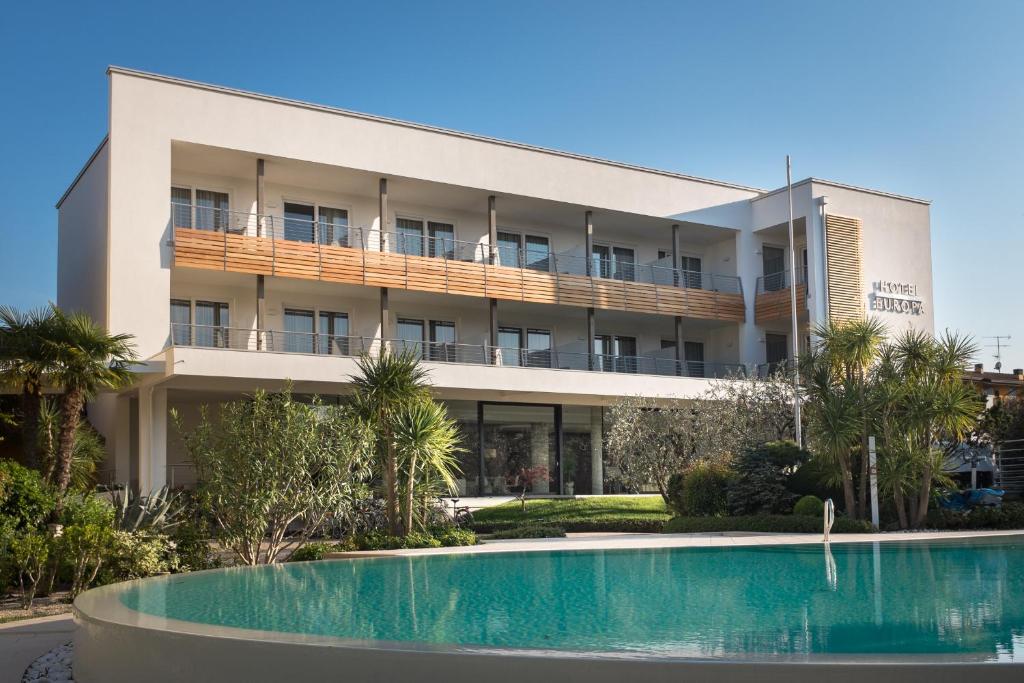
{"x": 314, "y": 550}
{"x": 704, "y": 490}
{"x": 1008, "y": 516}
{"x": 531, "y": 531}
{"x": 761, "y": 473}
{"x": 193, "y": 548}
{"x": 676, "y": 493}
{"x": 451, "y": 536}
{"x": 28, "y": 552}
{"x": 792, "y": 524}
{"x": 809, "y": 506}
{"x": 136, "y": 556}
{"x": 84, "y": 547}
{"x": 25, "y": 498}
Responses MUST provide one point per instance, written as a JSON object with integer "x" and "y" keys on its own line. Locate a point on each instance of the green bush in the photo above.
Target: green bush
{"x": 193, "y": 548}
{"x": 759, "y": 487}
{"x": 25, "y": 498}
{"x": 134, "y": 555}
{"x": 676, "y": 493}
{"x": 532, "y": 531}
{"x": 84, "y": 547}
{"x": 28, "y": 552}
{"x": 1008, "y": 516}
{"x": 704, "y": 491}
{"x": 791, "y": 524}
{"x": 451, "y": 536}
{"x": 313, "y": 550}
{"x": 809, "y": 506}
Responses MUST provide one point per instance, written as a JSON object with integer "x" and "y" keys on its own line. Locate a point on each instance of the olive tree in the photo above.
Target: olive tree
{"x": 650, "y": 440}
{"x": 273, "y": 470}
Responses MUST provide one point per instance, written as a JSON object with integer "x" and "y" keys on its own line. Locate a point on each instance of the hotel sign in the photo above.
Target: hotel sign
{"x": 895, "y": 297}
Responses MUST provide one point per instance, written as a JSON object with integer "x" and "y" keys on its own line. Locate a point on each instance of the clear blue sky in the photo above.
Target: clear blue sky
{"x": 918, "y": 98}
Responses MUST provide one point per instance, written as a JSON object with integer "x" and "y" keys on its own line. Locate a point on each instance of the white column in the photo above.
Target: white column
{"x": 539, "y": 454}
{"x": 596, "y": 451}
{"x": 152, "y": 439}
{"x": 748, "y": 265}
{"x": 122, "y": 440}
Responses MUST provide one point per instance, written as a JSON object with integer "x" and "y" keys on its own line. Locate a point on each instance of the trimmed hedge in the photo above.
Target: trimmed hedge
{"x": 790, "y": 524}
{"x": 809, "y": 506}
{"x": 1009, "y": 516}
{"x": 611, "y": 524}
{"x": 531, "y": 531}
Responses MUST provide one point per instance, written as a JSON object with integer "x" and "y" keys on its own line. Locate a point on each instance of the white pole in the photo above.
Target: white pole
{"x": 792, "y": 305}
{"x": 873, "y": 471}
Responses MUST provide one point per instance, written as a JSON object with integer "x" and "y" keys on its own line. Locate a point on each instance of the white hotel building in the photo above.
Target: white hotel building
{"x": 246, "y": 240}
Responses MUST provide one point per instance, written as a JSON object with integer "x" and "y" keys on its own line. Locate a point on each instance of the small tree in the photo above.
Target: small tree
{"x": 525, "y": 478}
{"x": 29, "y": 551}
{"x": 271, "y": 463}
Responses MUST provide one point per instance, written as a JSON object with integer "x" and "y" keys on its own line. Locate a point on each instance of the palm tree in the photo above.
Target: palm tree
{"x": 87, "y": 360}
{"x": 387, "y": 384}
{"x": 25, "y": 363}
{"x": 426, "y": 441}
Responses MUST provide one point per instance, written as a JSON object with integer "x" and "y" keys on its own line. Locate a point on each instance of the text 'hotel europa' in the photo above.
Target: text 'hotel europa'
{"x": 896, "y": 297}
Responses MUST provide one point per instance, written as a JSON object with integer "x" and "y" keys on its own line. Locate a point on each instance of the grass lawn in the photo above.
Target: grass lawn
{"x": 597, "y": 513}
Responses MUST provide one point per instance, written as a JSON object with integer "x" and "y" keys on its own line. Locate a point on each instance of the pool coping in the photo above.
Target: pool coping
{"x": 102, "y": 608}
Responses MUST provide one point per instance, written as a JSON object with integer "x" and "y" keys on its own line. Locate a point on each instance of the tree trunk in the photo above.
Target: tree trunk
{"x": 901, "y": 508}
{"x": 71, "y": 415}
{"x": 862, "y": 493}
{"x": 848, "y": 494}
{"x": 391, "y": 486}
{"x": 409, "y": 495}
{"x": 923, "y": 497}
{"x": 31, "y": 399}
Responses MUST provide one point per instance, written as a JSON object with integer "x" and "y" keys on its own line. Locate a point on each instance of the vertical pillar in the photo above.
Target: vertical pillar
{"x": 261, "y": 210}
{"x": 492, "y": 246}
{"x": 382, "y": 228}
{"x": 591, "y": 333}
{"x": 540, "y": 454}
{"x": 122, "y": 440}
{"x": 677, "y": 278}
{"x": 588, "y": 219}
{"x": 152, "y": 439}
{"x": 596, "y": 450}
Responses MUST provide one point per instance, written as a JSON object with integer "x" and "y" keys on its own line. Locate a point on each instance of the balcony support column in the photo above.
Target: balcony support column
{"x": 677, "y": 276}
{"x": 492, "y": 246}
{"x": 152, "y": 438}
{"x": 591, "y": 333}
{"x": 596, "y": 450}
{"x": 382, "y": 228}
{"x": 588, "y": 219}
{"x": 261, "y": 209}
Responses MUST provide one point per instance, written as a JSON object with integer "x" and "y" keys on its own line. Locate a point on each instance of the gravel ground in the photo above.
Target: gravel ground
{"x": 53, "y": 667}
{"x": 11, "y": 610}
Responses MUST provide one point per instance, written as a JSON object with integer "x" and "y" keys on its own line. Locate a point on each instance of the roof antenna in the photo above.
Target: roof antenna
{"x": 999, "y": 346}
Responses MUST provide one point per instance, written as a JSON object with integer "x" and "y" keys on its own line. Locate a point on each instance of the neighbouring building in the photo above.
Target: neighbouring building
{"x": 997, "y": 385}
{"x": 246, "y": 240}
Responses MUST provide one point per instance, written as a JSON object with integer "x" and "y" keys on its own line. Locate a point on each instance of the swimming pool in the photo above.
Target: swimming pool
{"x": 923, "y": 602}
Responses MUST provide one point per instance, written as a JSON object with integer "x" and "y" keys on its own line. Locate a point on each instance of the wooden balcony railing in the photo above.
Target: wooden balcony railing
{"x": 446, "y": 268}
{"x": 772, "y": 300}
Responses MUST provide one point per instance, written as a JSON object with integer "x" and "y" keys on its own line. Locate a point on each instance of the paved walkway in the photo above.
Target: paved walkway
{"x": 609, "y": 541}
{"x": 21, "y": 642}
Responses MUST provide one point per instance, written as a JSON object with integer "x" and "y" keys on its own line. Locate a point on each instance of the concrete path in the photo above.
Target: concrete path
{"x": 21, "y": 642}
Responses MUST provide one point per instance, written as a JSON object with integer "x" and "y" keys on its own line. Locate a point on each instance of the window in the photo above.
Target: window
{"x": 689, "y": 270}
{"x": 803, "y": 260}
{"x": 181, "y": 322}
{"x": 442, "y": 341}
{"x": 181, "y": 207}
{"x": 615, "y": 353}
{"x": 298, "y": 222}
{"x": 333, "y": 226}
{"x": 410, "y": 336}
{"x": 618, "y": 263}
{"x": 510, "y": 341}
{"x": 298, "y": 331}
{"x": 538, "y": 348}
{"x": 442, "y": 240}
{"x": 693, "y": 357}
{"x": 211, "y": 328}
{"x": 409, "y": 236}
{"x": 775, "y": 348}
{"x": 773, "y": 262}
{"x": 211, "y": 210}
{"x": 509, "y": 245}
{"x": 333, "y": 336}
{"x": 538, "y": 253}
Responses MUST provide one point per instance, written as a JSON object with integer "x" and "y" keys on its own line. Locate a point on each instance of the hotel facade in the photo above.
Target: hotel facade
{"x": 248, "y": 240}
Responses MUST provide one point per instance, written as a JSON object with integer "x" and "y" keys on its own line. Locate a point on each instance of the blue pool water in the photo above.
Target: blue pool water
{"x": 954, "y": 597}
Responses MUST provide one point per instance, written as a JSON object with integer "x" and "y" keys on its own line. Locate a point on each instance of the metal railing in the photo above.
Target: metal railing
{"x": 775, "y": 282}
{"x": 276, "y": 341}
{"x": 443, "y": 246}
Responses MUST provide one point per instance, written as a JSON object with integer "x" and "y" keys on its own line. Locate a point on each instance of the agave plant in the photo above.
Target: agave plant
{"x": 157, "y": 512}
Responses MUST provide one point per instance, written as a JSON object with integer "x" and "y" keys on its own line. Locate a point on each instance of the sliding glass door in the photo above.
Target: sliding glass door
{"x": 298, "y": 331}
{"x": 212, "y": 323}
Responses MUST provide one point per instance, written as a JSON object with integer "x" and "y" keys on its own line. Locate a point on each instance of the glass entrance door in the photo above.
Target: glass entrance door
{"x": 773, "y": 262}
{"x": 520, "y": 449}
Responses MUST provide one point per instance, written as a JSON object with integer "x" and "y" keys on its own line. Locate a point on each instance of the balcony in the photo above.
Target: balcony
{"x": 215, "y": 239}
{"x": 772, "y": 300}
{"x": 314, "y": 344}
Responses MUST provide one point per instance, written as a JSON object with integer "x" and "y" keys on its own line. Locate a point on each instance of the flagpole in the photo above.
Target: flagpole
{"x": 792, "y": 305}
